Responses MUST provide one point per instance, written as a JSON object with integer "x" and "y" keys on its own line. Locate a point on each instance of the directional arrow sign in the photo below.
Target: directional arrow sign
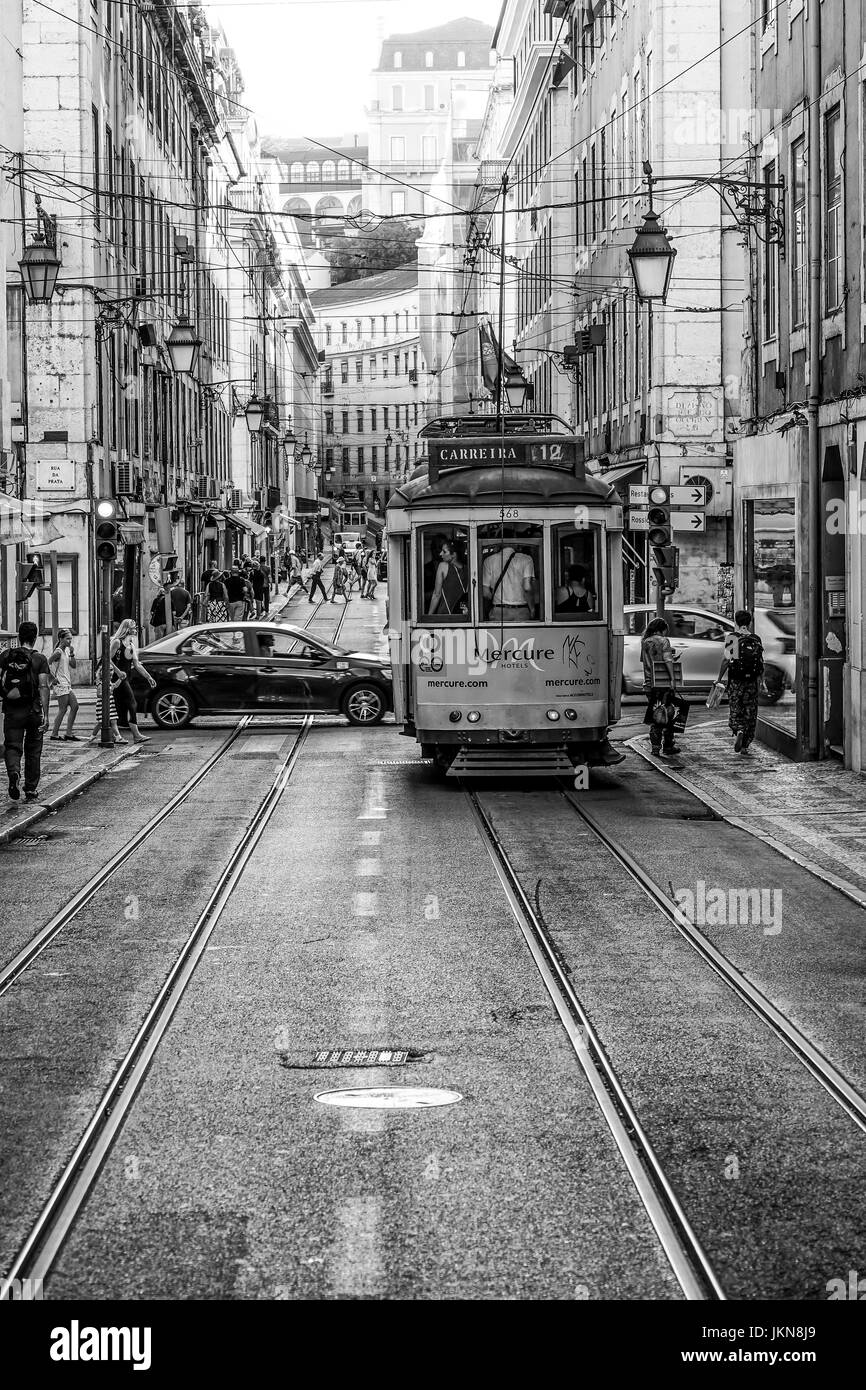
{"x": 638, "y": 520}
{"x": 689, "y": 496}
{"x": 688, "y": 521}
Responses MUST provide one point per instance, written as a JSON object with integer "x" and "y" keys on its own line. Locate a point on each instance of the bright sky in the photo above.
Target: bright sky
{"x": 306, "y": 63}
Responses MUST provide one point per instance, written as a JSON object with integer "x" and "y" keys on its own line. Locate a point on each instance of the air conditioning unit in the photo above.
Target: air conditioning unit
{"x": 125, "y": 479}
{"x": 717, "y": 481}
{"x": 236, "y": 501}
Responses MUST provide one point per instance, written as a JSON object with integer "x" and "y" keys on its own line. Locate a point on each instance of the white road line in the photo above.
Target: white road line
{"x": 375, "y": 805}
{"x": 365, "y": 904}
{"x": 355, "y": 1258}
{"x": 371, "y": 837}
{"x": 367, "y": 868}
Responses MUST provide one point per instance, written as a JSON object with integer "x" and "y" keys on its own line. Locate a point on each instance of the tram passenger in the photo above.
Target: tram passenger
{"x": 508, "y": 585}
{"x": 664, "y": 707}
{"x": 578, "y": 595}
{"x": 449, "y": 586}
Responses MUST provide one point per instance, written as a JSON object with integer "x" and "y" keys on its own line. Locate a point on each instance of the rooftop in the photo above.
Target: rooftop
{"x": 471, "y": 36}
{"x": 371, "y": 287}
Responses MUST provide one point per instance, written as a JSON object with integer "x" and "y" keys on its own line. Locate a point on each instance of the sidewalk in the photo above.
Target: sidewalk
{"x": 813, "y": 813}
{"x": 67, "y": 769}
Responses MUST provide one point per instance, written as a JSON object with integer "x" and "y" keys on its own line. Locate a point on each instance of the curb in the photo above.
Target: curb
{"x": 855, "y": 895}
{"x": 45, "y": 808}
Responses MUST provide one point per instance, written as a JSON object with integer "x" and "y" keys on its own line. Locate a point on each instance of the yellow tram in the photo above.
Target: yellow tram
{"x": 505, "y": 587}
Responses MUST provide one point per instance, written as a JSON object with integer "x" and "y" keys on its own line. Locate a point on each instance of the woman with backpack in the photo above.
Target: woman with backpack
{"x": 744, "y": 666}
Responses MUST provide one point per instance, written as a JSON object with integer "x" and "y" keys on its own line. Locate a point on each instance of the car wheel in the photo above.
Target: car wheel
{"x": 172, "y": 708}
{"x": 364, "y": 704}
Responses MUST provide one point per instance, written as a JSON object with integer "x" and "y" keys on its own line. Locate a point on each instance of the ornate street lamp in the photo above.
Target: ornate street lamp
{"x": 305, "y": 454}
{"x": 183, "y": 346}
{"x": 255, "y": 413}
{"x": 652, "y": 260}
{"x": 40, "y": 263}
{"x": 515, "y": 390}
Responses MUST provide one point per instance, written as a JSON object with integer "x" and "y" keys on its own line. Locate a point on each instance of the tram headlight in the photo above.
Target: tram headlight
{"x": 455, "y": 716}
{"x": 473, "y": 716}
{"x": 553, "y": 715}
{"x": 571, "y": 714}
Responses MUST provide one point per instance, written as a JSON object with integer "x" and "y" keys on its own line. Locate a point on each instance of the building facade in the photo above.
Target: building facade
{"x": 130, "y": 135}
{"x": 321, "y": 181}
{"x": 371, "y": 386}
{"x": 800, "y": 458}
{"x": 426, "y": 85}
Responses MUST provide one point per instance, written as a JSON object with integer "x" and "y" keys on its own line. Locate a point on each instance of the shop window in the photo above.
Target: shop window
{"x": 444, "y": 574}
{"x": 576, "y": 575}
{"x": 67, "y": 596}
{"x": 510, "y": 567}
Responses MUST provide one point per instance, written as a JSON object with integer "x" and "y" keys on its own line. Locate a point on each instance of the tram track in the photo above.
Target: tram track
{"x": 688, "y": 1259}
{"x": 683, "y": 1249}
{"x": 810, "y": 1057}
{"x": 48, "y": 932}
{"x": 70, "y": 1189}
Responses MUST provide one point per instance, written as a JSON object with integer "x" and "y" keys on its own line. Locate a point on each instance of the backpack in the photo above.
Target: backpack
{"x": 18, "y": 683}
{"x": 748, "y": 664}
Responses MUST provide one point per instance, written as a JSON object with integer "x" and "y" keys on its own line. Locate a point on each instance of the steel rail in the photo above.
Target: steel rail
{"x": 688, "y": 1260}
{"x": 39, "y": 942}
{"x": 45, "y": 1239}
{"x": 819, "y": 1067}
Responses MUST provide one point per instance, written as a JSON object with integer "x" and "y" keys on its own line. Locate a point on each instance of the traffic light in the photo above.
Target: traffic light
{"x": 106, "y": 530}
{"x": 30, "y": 576}
{"x": 665, "y": 557}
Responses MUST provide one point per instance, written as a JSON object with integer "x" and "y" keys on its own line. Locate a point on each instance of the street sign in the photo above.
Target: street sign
{"x": 689, "y": 496}
{"x": 638, "y": 519}
{"x": 688, "y": 521}
{"x": 638, "y": 494}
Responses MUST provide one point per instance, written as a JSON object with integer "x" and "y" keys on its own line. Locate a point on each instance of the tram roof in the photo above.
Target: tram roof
{"x": 498, "y": 486}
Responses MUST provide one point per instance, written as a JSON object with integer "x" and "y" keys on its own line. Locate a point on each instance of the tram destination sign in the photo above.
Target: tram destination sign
{"x": 494, "y": 451}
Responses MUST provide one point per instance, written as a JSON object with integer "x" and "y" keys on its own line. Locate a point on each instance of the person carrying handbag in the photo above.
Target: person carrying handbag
{"x": 664, "y": 708}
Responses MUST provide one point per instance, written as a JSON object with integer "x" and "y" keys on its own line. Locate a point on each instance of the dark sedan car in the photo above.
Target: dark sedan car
{"x": 249, "y": 668}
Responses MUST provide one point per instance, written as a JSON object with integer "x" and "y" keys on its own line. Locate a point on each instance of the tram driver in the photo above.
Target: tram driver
{"x": 508, "y": 585}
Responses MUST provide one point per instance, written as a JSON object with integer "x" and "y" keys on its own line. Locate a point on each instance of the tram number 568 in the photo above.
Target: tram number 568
{"x": 509, "y": 513}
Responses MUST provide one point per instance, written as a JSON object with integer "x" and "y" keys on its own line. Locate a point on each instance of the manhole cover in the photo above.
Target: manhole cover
{"x": 389, "y": 1097}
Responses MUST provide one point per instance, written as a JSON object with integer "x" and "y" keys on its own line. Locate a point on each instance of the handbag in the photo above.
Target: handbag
{"x": 714, "y": 699}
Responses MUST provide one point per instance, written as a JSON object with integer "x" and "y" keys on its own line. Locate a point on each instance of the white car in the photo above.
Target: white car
{"x": 697, "y": 636}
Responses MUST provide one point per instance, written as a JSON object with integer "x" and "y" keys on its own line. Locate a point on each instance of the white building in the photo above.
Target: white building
{"x": 372, "y": 384}
{"x": 426, "y": 86}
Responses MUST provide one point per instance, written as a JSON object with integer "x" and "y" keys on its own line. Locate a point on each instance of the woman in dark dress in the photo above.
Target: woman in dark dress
{"x": 578, "y": 595}
{"x": 217, "y": 596}
{"x": 449, "y": 588}
{"x": 124, "y": 656}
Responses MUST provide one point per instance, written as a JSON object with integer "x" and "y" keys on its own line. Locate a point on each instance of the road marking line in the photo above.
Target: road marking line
{"x": 371, "y": 837}
{"x": 365, "y": 904}
{"x": 356, "y": 1260}
{"x": 367, "y": 868}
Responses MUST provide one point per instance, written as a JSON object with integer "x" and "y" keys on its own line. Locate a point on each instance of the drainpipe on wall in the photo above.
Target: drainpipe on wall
{"x": 814, "y": 616}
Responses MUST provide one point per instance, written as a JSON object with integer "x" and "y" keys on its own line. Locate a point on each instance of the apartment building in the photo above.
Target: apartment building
{"x": 426, "y": 86}
{"x": 132, "y": 136}
{"x": 800, "y": 458}
{"x": 372, "y": 384}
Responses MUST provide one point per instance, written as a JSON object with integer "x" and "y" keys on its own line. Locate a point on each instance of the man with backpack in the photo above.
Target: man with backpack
{"x": 25, "y": 689}
{"x": 744, "y": 665}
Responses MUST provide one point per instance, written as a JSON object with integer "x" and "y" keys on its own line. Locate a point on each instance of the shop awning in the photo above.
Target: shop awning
{"x": 243, "y": 523}
{"x": 131, "y": 532}
{"x": 621, "y": 471}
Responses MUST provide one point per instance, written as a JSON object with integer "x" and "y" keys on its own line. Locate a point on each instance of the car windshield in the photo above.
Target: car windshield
{"x": 320, "y": 643}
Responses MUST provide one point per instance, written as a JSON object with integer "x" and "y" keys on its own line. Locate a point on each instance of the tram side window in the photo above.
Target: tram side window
{"x": 576, "y": 575}
{"x": 510, "y": 564}
{"x": 444, "y": 574}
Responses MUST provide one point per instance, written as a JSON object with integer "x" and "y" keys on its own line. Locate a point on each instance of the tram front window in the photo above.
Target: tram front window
{"x": 576, "y": 577}
{"x": 510, "y": 563}
{"x": 444, "y": 574}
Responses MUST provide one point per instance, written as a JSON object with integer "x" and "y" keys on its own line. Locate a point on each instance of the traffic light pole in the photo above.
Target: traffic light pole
{"x": 105, "y": 737}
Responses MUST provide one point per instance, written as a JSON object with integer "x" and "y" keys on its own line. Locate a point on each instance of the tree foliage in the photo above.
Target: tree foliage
{"x": 386, "y": 247}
